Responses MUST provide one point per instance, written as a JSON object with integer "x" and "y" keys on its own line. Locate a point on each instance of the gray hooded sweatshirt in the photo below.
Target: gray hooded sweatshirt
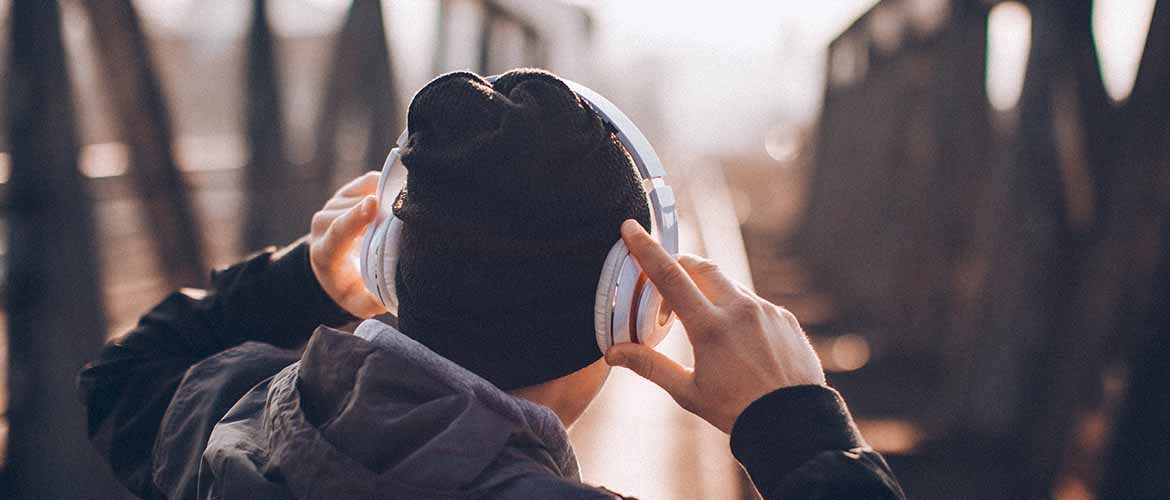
{"x": 371, "y": 415}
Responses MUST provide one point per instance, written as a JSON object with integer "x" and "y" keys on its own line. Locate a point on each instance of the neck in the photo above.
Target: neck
{"x": 568, "y": 396}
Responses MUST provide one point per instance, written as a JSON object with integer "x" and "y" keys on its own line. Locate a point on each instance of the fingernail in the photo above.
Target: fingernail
{"x": 630, "y": 227}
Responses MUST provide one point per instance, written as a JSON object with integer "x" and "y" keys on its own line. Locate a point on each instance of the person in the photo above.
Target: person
{"x": 515, "y": 192}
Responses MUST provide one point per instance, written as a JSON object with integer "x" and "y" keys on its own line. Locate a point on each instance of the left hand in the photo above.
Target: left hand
{"x": 334, "y": 232}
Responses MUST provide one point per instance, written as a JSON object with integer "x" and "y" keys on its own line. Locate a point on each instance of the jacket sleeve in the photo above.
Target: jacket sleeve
{"x": 801, "y": 443}
{"x": 271, "y": 297}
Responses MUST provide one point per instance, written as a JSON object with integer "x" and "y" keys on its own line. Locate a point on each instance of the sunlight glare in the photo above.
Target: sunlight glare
{"x": 5, "y": 168}
{"x": 1120, "y": 28}
{"x": 1009, "y": 38}
{"x": 849, "y": 352}
{"x": 107, "y": 159}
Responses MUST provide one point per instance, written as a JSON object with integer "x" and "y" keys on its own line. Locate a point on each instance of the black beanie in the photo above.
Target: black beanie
{"x": 515, "y": 193}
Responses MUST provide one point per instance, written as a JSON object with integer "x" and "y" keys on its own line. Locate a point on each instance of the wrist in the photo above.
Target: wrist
{"x": 307, "y": 298}
{"x": 321, "y": 283}
{"x": 786, "y": 427}
{"x": 273, "y": 297}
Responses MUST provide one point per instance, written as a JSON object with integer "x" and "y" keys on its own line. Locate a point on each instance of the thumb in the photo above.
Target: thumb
{"x": 653, "y": 366}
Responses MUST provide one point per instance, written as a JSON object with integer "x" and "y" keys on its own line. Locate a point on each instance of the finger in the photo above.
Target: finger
{"x": 654, "y": 366}
{"x": 716, "y": 286}
{"x": 344, "y": 201}
{"x": 667, "y": 275}
{"x": 324, "y": 218}
{"x": 346, "y": 228}
{"x": 362, "y": 185}
{"x": 744, "y": 290}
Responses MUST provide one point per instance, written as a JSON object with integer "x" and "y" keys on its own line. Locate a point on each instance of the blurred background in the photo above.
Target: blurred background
{"x": 965, "y": 202}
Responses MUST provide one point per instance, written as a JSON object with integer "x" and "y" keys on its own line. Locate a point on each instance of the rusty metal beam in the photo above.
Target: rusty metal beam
{"x": 269, "y": 218}
{"x": 141, "y": 112}
{"x": 361, "y": 81}
{"x": 53, "y": 292}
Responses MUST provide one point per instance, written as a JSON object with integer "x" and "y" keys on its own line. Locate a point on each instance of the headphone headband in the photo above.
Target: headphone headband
{"x": 645, "y": 158}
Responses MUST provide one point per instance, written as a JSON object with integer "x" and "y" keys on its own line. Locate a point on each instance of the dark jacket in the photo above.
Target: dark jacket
{"x": 229, "y": 394}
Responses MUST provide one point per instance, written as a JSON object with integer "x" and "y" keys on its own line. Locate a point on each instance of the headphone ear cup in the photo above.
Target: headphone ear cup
{"x": 371, "y": 256}
{"x": 606, "y": 289}
{"x": 655, "y": 319}
{"x": 388, "y": 264}
{"x": 627, "y": 289}
{"x": 373, "y": 243}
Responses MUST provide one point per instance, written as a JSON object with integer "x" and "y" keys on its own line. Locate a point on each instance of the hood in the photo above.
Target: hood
{"x": 378, "y": 415}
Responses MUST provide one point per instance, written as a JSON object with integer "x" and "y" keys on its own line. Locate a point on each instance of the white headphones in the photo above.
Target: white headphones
{"x": 627, "y": 308}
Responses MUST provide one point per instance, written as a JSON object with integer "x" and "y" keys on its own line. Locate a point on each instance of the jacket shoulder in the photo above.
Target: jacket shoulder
{"x": 209, "y": 389}
{"x": 550, "y": 487}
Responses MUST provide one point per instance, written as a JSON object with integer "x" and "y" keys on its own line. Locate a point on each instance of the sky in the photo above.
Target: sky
{"x": 730, "y": 71}
{"x": 724, "y": 72}
{"x": 718, "y": 75}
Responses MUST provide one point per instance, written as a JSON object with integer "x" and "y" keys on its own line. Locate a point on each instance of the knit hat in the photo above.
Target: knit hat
{"x": 514, "y": 195}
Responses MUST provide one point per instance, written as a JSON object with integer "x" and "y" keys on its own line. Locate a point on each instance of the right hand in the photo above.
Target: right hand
{"x": 745, "y": 347}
